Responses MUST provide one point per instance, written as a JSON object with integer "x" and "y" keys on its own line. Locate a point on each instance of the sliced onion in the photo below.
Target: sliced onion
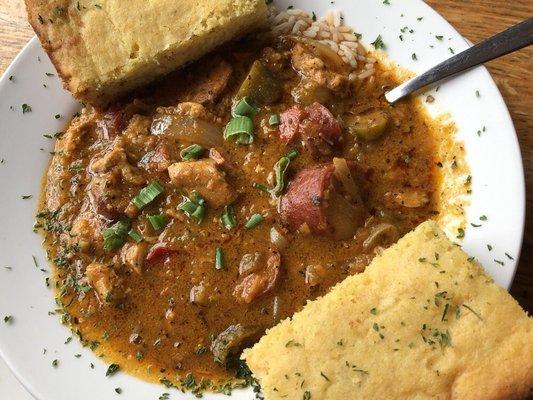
{"x": 343, "y": 174}
{"x": 187, "y": 129}
{"x": 278, "y": 239}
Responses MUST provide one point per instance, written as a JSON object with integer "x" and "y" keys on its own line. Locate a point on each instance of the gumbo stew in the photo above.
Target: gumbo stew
{"x": 185, "y": 221}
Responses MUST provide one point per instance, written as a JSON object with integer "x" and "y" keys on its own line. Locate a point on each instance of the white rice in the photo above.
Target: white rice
{"x": 329, "y": 30}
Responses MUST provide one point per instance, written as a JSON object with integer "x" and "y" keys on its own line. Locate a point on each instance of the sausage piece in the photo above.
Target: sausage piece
{"x": 317, "y": 202}
{"x": 204, "y": 177}
{"x": 213, "y": 81}
{"x": 303, "y": 207}
{"x": 310, "y": 124}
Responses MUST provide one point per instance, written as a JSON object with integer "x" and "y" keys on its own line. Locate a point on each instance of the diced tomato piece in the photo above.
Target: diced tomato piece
{"x": 304, "y": 202}
{"x": 290, "y": 123}
{"x": 158, "y": 252}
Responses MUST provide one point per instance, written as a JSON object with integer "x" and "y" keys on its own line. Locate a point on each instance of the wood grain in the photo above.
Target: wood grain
{"x": 474, "y": 19}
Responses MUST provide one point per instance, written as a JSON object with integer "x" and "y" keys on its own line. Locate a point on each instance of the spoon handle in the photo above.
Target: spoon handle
{"x": 512, "y": 39}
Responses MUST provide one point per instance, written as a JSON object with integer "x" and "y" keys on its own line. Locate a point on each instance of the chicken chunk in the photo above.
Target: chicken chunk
{"x": 205, "y": 178}
{"x": 115, "y": 157}
{"x": 85, "y": 232}
{"x": 103, "y": 280}
{"x": 133, "y": 256}
{"x": 305, "y": 61}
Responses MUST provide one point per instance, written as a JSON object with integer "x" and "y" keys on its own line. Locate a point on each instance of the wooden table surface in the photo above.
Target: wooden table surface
{"x": 474, "y": 19}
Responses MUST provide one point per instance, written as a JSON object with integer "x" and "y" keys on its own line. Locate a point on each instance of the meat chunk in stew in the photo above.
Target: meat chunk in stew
{"x": 260, "y": 281}
{"x": 315, "y": 61}
{"x": 203, "y": 177}
{"x": 314, "y": 125}
{"x": 103, "y": 280}
{"x": 317, "y": 202}
{"x": 213, "y": 80}
{"x": 232, "y": 341}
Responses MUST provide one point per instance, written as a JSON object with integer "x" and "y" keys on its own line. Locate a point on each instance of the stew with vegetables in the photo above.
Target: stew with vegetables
{"x": 187, "y": 220}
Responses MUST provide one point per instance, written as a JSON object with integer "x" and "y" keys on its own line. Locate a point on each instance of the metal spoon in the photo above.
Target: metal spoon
{"x": 512, "y": 39}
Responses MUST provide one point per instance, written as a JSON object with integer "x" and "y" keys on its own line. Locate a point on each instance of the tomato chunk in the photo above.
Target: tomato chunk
{"x": 159, "y": 252}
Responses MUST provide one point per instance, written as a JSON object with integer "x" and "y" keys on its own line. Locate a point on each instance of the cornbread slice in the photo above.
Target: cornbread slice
{"x": 103, "y": 49}
{"x": 422, "y": 322}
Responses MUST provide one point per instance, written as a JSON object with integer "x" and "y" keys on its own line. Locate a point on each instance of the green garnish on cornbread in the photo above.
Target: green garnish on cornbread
{"x": 422, "y": 322}
{"x": 103, "y": 50}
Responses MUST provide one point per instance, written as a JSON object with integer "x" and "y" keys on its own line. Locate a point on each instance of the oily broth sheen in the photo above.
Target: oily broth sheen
{"x": 403, "y": 158}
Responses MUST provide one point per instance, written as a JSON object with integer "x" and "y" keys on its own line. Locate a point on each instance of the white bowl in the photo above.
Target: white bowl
{"x": 494, "y": 159}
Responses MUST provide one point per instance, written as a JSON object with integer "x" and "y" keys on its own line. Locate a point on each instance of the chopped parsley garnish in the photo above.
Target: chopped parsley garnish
{"x": 112, "y": 369}
{"x": 118, "y": 390}
{"x": 292, "y": 343}
{"x": 8, "y": 319}
{"x": 439, "y": 37}
{"x": 26, "y": 108}
{"x": 473, "y": 312}
{"x": 378, "y": 43}
{"x": 414, "y": 57}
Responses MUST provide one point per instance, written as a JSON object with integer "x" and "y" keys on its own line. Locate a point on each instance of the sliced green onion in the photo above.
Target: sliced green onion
{"x": 280, "y": 168}
{"x": 240, "y": 129}
{"x": 158, "y": 221}
{"x": 253, "y": 221}
{"x": 147, "y": 195}
{"x": 220, "y": 263}
{"x": 115, "y": 236}
{"x": 135, "y": 235}
{"x": 245, "y": 108}
{"x": 292, "y": 154}
{"x": 228, "y": 218}
{"x": 193, "y": 207}
{"x": 194, "y": 151}
{"x": 262, "y": 188}
{"x": 274, "y": 120}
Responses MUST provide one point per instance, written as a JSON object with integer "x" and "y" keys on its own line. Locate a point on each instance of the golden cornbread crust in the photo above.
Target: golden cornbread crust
{"x": 422, "y": 322}
{"x": 105, "y": 49}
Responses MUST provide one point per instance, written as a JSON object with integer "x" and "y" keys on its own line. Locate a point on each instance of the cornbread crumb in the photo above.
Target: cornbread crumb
{"x": 422, "y": 322}
{"x": 106, "y": 48}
